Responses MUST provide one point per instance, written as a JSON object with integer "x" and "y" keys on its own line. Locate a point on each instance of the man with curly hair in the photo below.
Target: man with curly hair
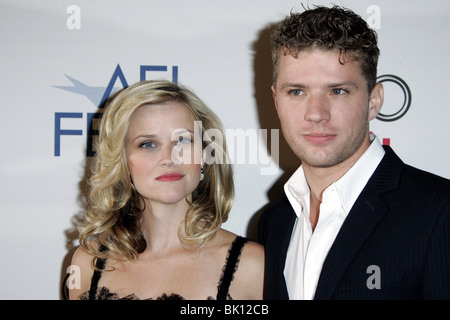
{"x": 355, "y": 221}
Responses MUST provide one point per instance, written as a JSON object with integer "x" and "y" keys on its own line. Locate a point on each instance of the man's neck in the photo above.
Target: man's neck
{"x": 320, "y": 178}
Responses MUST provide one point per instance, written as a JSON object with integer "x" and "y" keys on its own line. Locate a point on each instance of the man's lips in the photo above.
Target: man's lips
{"x": 170, "y": 177}
{"x": 319, "y": 137}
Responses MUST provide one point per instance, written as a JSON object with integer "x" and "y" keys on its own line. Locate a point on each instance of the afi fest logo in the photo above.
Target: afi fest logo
{"x": 98, "y": 96}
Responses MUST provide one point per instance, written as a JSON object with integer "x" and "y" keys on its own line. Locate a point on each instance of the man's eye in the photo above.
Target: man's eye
{"x": 339, "y": 91}
{"x": 295, "y": 92}
{"x": 147, "y": 145}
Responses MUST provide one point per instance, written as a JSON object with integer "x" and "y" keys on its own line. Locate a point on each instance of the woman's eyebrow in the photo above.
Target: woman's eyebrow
{"x": 145, "y": 136}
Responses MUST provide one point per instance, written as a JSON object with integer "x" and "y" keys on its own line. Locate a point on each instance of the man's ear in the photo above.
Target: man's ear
{"x": 376, "y": 101}
{"x": 274, "y": 94}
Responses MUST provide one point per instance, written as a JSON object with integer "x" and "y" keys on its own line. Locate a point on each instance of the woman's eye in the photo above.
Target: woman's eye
{"x": 184, "y": 140}
{"x": 147, "y": 145}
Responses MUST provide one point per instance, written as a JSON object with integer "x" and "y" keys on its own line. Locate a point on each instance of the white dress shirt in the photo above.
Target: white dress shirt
{"x": 307, "y": 249}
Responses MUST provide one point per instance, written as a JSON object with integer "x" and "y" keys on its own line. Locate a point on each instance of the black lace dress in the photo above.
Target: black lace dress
{"x": 230, "y": 267}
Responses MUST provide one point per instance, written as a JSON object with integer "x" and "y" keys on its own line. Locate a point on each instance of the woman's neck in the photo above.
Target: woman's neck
{"x": 160, "y": 225}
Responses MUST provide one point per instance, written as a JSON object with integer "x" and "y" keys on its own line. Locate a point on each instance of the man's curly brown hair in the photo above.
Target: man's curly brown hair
{"x": 325, "y": 28}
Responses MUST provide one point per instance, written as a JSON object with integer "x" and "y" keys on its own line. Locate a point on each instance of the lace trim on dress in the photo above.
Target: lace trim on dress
{"x": 103, "y": 293}
{"x": 227, "y": 276}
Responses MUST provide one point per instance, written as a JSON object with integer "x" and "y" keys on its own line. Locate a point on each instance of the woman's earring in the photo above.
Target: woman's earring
{"x": 202, "y": 176}
{"x": 132, "y": 183}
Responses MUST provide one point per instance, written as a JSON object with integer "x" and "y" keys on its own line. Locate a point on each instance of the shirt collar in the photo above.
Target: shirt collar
{"x": 298, "y": 192}
{"x": 349, "y": 186}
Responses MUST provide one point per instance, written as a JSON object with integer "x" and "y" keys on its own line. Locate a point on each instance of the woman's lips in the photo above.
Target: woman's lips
{"x": 170, "y": 177}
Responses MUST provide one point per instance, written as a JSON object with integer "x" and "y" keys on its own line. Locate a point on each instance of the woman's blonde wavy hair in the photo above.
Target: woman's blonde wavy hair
{"x": 113, "y": 216}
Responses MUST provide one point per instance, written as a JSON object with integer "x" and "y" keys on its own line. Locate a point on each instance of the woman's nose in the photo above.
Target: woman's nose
{"x": 167, "y": 156}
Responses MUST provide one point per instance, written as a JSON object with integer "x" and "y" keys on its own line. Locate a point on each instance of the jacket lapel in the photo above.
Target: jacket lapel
{"x": 286, "y": 220}
{"x": 359, "y": 224}
{"x": 362, "y": 219}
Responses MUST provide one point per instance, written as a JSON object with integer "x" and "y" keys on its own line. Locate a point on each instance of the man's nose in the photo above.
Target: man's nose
{"x": 317, "y": 108}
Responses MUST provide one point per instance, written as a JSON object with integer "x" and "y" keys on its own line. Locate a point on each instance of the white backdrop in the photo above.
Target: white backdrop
{"x": 58, "y": 58}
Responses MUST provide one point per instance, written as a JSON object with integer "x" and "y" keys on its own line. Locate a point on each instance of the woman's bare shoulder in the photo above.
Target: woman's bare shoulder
{"x": 81, "y": 270}
{"x": 253, "y": 257}
{"x": 82, "y": 257}
{"x": 249, "y": 277}
{"x": 252, "y": 250}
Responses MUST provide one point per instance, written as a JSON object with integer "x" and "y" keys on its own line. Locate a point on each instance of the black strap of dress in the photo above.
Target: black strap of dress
{"x": 231, "y": 265}
{"x": 100, "y": 264}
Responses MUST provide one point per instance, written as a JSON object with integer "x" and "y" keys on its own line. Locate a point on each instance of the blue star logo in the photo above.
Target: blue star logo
{"x": 94, "y": 94}
{"x": 97, "y": 95}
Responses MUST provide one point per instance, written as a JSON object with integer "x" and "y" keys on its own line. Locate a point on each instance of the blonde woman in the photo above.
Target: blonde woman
{"x": 160, "y": 190}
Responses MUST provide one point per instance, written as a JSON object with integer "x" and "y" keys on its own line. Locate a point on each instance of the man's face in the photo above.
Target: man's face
{"x": 324, "y": 107}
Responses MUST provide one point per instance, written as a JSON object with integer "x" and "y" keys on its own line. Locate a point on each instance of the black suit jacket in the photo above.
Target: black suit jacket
{"x": 400, "y": 223}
